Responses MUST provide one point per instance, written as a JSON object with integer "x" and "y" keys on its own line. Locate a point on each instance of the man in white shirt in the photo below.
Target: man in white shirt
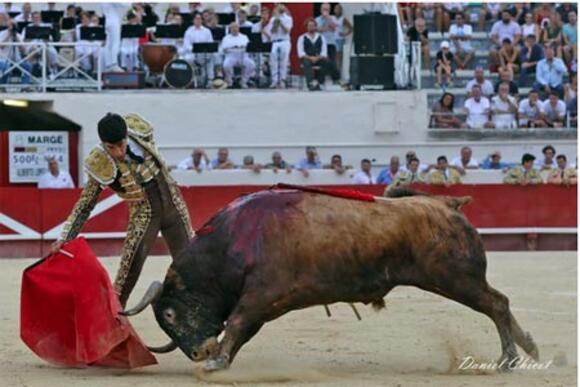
{"x": 364, "y": 176}
{"x": 460, "y": 34}
{"x": 554, "y": 111}
{"x": 279, "y": 28}
{"x": 197, "y": 33}
{"x": 198, "y": 161}
{"x": 465, "y": 161}
{"x": 52, "y": 55}
{"x": 326, "y": 25}
{"x": 477, "y": 109}
{"x": 531, "y": 111}
{"x": 312, "y": 52}
{"x": 504, "y": 108}
{"x": 84, "y": 48}
{"x": 234, "y": 47}
{"x": 502, "y": 29}
{"x": 55, "y": 178}
{"x": 13, "y": 54}
{"x": 479, "y": 79}
{"x": 262, "y": 27}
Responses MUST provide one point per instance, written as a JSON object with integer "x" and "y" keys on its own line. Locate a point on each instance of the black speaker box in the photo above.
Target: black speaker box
{"x": 375, "y": 33}
{"x": 372, "y": 70}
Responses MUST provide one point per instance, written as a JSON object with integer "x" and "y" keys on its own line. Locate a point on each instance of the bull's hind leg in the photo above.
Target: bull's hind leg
{"x": 524, "y": 339}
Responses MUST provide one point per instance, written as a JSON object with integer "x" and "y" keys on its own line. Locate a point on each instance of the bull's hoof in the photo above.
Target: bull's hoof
{"x": 218, "y": 364}
{"x": 532, "y": 348}
{"x": 508, "y": 362}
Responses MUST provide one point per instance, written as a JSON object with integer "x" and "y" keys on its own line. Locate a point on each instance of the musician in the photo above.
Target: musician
{"x": 83, "y": 47}
{"x": 130, "y": 46}
{"x": 113, "y": 15}
{"x": 51, "y": 54}
{"x": 12, "y": 54}
{"x": 26, "y": 15}
{"x": 197, "y": 33}
{"x": 242, "y": 20}
{"x": 279, "y": 29}
{"x": 234, "y": 47}
{"x": 262, "y": 26}
{"x": 173, "y": 19}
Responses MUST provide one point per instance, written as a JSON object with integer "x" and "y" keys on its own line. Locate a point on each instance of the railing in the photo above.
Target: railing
{"x": 19, "y": 63}
{"x": 518, "y": 124}
{"x": 416, "y": 64}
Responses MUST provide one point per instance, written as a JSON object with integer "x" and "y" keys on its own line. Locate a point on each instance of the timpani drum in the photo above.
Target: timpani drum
{"x": 156, "y": 56}
{"x": 178, "y": 74}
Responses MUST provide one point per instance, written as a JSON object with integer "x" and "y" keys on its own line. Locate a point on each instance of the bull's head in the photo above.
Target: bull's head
{"x": 185, "y": 316}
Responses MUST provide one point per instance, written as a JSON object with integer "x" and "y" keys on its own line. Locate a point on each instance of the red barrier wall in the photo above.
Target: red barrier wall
{"x": 27, "y": 213}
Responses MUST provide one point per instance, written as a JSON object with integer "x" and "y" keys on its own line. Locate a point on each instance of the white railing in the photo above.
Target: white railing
{"x": 21, "y": 57}
{"x": 416, "y": 63}
{"x": 72, "y": 75}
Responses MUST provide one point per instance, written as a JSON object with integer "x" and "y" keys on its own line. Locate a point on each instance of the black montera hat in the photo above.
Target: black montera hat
{"x": 112, "y": 128}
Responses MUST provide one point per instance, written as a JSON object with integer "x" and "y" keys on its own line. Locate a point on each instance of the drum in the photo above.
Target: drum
{"x": 156, "y": 56}
{"x": 178, "y": 74}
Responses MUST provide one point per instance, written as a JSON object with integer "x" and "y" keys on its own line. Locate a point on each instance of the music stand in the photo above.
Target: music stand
{"x": 102, "y": 21}
{"x": 150, "y": 20}
{"x": 246, "y": 31}
{"x": 38, "y": 33}
{"x": 254, "y": 19}
{"x": 186, "y": 18}
{"x": 133, "y": 31}
{"x": 205, "y": 50}
{"x": 93, "y": 34}
{"x": 225, "y": 19}
{"x": 21, "y": 25}
{"x": 257, "y": 48}
{"x": 13, "y": 14}
{"x": 218, "y": 33}
{"x": 173, "y": 31}
{"x": 68, "y": 23}
{"x": 2, "y": 28}
{"x": 52, "y": 17}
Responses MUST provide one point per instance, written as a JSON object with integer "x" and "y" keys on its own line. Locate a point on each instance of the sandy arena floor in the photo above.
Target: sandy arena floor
{"x": 418, "y": 341}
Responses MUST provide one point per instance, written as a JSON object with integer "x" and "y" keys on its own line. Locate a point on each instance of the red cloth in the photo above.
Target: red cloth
{"x": 341, "y": 193}
{"x": 69, "y": 313}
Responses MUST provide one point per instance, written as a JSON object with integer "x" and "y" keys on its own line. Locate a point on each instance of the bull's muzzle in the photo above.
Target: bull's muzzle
{"x": 205, "y": 350}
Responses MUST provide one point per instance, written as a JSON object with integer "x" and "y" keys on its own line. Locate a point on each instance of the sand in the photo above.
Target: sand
{"x": 419, "y": 340}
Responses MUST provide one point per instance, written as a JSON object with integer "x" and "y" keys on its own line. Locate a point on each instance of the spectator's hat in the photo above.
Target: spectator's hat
{"x": 219, "y": 84}
{"x": 444, "y": 44}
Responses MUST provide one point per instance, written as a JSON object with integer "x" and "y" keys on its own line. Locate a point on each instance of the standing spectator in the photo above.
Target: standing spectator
{"x": 234, "y": 47}
{"x": 465, "y": 161}
{"x": 561, "y": 174}
{"x": 55, "y": 178}
{"x": 312, "y": 52}
{"x": 419, "y": 33}
{"x": 548, "y": 162}
{"x": 443, "y": 173}
{"x": 248, "y": 163}
{"x": 531, "y": 111}
{"x": 477, "y": 109}
{"x": 502, "y": 29}
{"x": 336, "y": 165}
{"x": 479, "y": 79}
{"x": 388, "y": 175}
{"x": 223, "y": 161}
{"x": 504, "y": 109}
{"x": 364, "y": 176}
{"x": 411, "y": 175}
{"x": 326, "y": 25}
{"x": 443, "y": 113}
{"x": 531, "y": 28}
{"x": 493, "y": 161}
{"x": 554, "y": 111}
{"x": 549, "y": 73}
{"x": 524, "y": 174}
{"x": 310, "y": 162}
{"x": 444, "y": 65}
{"x": 552, "y": 34}
{"x": 343, "y": 29}
{"x": 278, "y": 163}
{"x": 570, "y": 37}
{"x": 509, "y": 58}
{"x": 198, "y": 161}
{"x": 460, "y": 34}
{"x": 507, "y": 77}
{"x": 530, "y": 54}
{"x": 279, "y": 28}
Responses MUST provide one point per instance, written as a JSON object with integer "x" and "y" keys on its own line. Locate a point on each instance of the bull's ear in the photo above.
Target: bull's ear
{"x": 151, "y": 296}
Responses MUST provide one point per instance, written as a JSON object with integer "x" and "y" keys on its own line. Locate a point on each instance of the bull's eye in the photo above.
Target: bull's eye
{"x": 169, "y": 315}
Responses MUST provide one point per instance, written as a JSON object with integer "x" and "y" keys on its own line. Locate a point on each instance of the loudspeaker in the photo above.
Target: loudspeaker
{"x": 372, "y": 70}
{"x": 127, "y": 80}
{"x": 375, "y": 33}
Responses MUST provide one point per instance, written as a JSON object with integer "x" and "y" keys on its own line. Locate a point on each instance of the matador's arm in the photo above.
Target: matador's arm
{"x": 81, "y": 210}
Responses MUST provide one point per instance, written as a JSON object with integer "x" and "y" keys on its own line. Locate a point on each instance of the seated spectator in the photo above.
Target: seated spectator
{"x": 444, "y": 65}
{"x": 278, "y": 163}
{"x": 411, "y": 174}
{"x": 531, "y": 111}
{"x": 248, "y": 163}
{"x": 509, "y": 58}
{"x": 530, "y": 28}
{"x": 552, "y": 34}
{"x": 222, "y": 161}
{"x": 419, "y": 33}
{"x": 443, "y": 114}
{"x": 530, "y": 54}
{"x": 443, "y": 173}
{"x": 13, "y": 54}
{"x": 446, "y": 13}
{"x": 493, "y": 161}
{"x": 409, "y": 156}
{"x": 504, "y": 109}
{"x": 477, "y": 109}
{"x": 548, "y": 162}
{"x": 485, "y": 85}
{"x": 570, "y": 37}
{"x": 389, "y": 174}
{"x": 564, "y": 10}
{"x": 554, "y": 111}
{"x": 198, "y": 161}
{"x": 365, "y": 175}
{"x": 25, "y": 15}
{"x": 550, "y": 73}
{"x": 129, "y": 51}
{"x": 55, "y": 178}
{"x": 336, "y": 164}
{"x": 234, "y": 47}
{"x": 524, "y": 174}
{"x": 312, "y": 52}
{"x": 571, "y": 95}
{"x": 488, "y": 11}
{"x": 310, "y": 162}
{"x": 503, "y": 29}
{"x": 519, "y": 12}
{"x": 460, "y": 34}
{"x": 506, "y": 77}
{"x": 465, "y": 161}
{"x": 561, "y": 174}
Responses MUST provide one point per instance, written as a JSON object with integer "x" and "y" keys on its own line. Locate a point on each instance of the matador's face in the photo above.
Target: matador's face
{"x": 118, "y": 149}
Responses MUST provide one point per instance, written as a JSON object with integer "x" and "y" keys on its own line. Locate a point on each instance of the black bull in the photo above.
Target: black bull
{"x": 275, "y": 251}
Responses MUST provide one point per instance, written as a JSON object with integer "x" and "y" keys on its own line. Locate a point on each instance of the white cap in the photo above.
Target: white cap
{"x": 444, "y": 44}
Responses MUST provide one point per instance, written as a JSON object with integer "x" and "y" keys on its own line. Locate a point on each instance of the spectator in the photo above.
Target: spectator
{"x": 326, "y": 25}
{"x": 479, "y": 79}
{"x": 312, "y": 52}
{"x": 531, "y": 28}
{"x": 234, "y": 47}
{"x": 543, "y": 14}
{"x": 570, "y": 94}
{"x": 444, "y": 65}
{"x": 365, "y": 175}
{"x": 443, "y": 173}
{"x": 55, "y": 178}
{"x": 310, "y": 162}
{"x": 278, "y": 163}
{"x": 279, "y": 28}
{"x": 410, "y": 155}
{"x": 502, "y": 29}
{"x": 561, "y": 174}
{"x": 524, "y": 174}
{"x": 336, "y": 165}
{"x": 419, "y": 33}
{"x": 488, "y": 11}
{"x": 13, "y": 54}
{"x": 506, "y": 77}
{"x": 530, "y": 54}
{"x": 564, "y": 10}
{"x": 198, "y": 161}
{"x": 460, "y": 34}
{"x": 51, "y": 53}
{"x": 343, "y": 29}
{"x": 493, "y": 161}
{"x": 549, "y": 73}
{"x": 509, "y": 58}
{"x": 531, "y": 111}
{"x": 129, "y": 50}
{"x": 519, "y": 12}
{"x": 548, "y": 162}
{"x": 388, "y": 175}
{"x": 570, "y": 37}
{"x": 477, "y": 109}
{"x": 197, "y": 33}
{"x": 504, "y": 108}
{"x": 554, "y": 111}
{"x": 445, "y": 13}
{"x": 443, "y": 114}
{"x": 465, "y": 161}
{"x": 552, "y": 34}
{"x": 223, "y": 161}
{"x": 248, "y": 163}
{"x": 411, "y": 175}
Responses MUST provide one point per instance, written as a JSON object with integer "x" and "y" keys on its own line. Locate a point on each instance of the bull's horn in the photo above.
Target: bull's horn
{"x": 150, "y": 296}
{"x": 165, "y": 349}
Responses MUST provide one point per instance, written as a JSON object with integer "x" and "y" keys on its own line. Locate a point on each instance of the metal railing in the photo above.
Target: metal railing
{"x": 518, "y": 120}
{"x": 17, "y": 61}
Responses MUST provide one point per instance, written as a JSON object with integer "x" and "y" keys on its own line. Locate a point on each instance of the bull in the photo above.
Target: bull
{"x": 275, "y": 251}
